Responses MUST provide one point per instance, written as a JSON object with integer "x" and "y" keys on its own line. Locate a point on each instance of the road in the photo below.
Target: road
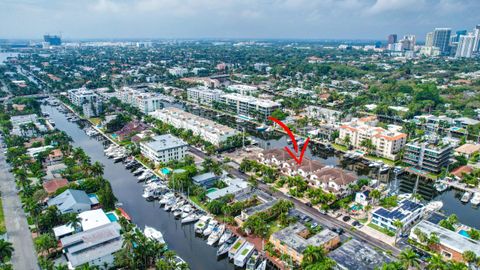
{"x": 324, "y": 219}
{"x": 24, "y": 256}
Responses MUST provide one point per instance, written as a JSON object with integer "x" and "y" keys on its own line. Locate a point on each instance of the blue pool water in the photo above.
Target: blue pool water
{"x": 356, "y": 207}
{"x": 464, "y": 233}
{"x": 165, "y": 170}
{"x": 112, "y": 217}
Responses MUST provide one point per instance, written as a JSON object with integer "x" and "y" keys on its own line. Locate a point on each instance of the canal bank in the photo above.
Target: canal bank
{"x": 180, "y": 238}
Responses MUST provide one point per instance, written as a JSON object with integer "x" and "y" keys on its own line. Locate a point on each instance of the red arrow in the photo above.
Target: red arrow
{"x": 294, "y": 141}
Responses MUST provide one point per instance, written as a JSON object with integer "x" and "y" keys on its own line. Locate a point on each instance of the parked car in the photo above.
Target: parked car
{"x": 346, "y": 218}
{"x": 309, "y": 204}
{"x": 338, "y": 230}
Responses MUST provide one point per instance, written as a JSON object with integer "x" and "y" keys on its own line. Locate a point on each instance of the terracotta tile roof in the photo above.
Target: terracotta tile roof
{"x": 468, "y": 149}
{"x": 458, "y": 172}
{"x": 54, "y": 184}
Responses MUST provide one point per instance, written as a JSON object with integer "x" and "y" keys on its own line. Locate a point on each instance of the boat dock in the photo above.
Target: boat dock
{"x": 459, "y": 186}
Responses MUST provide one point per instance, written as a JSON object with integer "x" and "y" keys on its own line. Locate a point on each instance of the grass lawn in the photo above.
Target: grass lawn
{"x": 95, "y": 120}
{"x": 3, "y": 229}
{"x": 380, "y": 229}
{"x": 196, "y": 200}
{"x": 274, "y": 227}
{"x": 384, "y": 160}
{"x": 339, "y": 147}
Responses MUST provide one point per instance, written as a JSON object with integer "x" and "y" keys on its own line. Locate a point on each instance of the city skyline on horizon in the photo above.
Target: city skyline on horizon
{"x": 235, "y": 19}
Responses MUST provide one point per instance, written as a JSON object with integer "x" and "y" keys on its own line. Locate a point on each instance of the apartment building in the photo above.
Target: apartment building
{"x": 387, "y": 143}
{"x": 204, "y": 95}
{"x": 164, "y": 148}
{"x": 294, "y": 239}
{"x": 249, "y": 106}
{"x": 145, "y": 102}
{"x": 243, "y": 89}
{"x": 428, "y": 156}
{"x": 86, "y": 99}
{"x": 208, "y": 130}
{"x": 407, "y": 212}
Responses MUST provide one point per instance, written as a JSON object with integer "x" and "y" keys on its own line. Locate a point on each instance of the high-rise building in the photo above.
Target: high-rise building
{"x": 459, "y": 33}
{"x": 441, "y": 39}
{"x": 429, "y": 39}
{"x": 392, "y": 38}
{"x": 476, "y": 33}
{"x": 465, "y": 46}
{"x": 53, "y": 40}
{"x": 408, "y": 42}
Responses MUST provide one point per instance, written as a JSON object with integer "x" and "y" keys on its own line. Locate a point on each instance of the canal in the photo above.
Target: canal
{"x": 180, "y": 238}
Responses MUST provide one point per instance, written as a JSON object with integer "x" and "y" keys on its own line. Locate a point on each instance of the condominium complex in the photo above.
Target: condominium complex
{"x": 207, "y": 129}
{"x": 249, "y": 106}
{"x": 164, "y": 148}
{"x": 465, "y": 47}
{"x": 428, "y": 156}
{"x": 387, "y": 143}
{"x": 86, "y": 99}
{"x": 243, "y": 89}
{"x": 407, "y": 212}
{"x": 145, "y": 102}
{"x": 203, "y": 95}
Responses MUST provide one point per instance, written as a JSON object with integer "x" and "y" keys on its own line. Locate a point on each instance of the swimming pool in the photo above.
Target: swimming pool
{"x": 112, "y": 217}
{"x": 464, "y": 233}
{"x": 356, "y": 207}
{"x": 165, "y": 171}
{"x": 210, "y": 190}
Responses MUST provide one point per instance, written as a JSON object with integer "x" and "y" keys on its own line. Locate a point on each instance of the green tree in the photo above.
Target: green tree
{"x": 6, "y": 250}
{"x": 409, "y": 259}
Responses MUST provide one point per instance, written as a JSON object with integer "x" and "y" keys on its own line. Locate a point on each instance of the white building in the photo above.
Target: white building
{"x": 388, "y": 143}
{"x": 465, "y": 46}
{"x": 203, "y": 95}
{"x": 249, "y": 106}
{"x": 145, "y": 102}
{"x": 178, "y": 71}
{"x": 164, "y": 148}
{"x": 243, "y": 89}
{"x": 209, "y": 130}
{"x": 86, "y": 99}
{"x": 407, "y": 212}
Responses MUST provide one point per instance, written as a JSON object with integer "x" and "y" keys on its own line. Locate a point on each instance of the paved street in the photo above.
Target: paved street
{"x": 324, "y": 219}
{"x": 24, "y": 256}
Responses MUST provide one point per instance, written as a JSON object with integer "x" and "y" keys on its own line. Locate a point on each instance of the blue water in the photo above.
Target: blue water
{"x": 464, "y": 233}
{"x": 165, "y": 171}
{"x": 112, "y": 217}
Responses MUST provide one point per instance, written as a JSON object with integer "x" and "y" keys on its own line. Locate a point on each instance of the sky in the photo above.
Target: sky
{"x": 249, "y": 19}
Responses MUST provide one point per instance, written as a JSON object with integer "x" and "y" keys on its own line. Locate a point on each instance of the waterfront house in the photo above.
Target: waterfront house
{"x": 71, "y": 201}
{"x": 54, "y": 157}
{"x": 131, "y": 129}
{"x": 354, "y": 255}
{"x": 90, "y": 219}
{"x": 294, "y": 239}
{"x": 451, "y": 246}
{"x": 95, "y": 247}
{"x": 164, "y": 148}
{"x": 407, "y": 211}
{"x": 51, "y": 186}
{"x": 54, "y": 171}
{"x": 206, "y": 180}
{"x": 235, "y": 186}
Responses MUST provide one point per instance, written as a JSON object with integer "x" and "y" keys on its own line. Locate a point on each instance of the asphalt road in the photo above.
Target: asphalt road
{"x": 323, "y": 219}
{"x": 24, "y": 256}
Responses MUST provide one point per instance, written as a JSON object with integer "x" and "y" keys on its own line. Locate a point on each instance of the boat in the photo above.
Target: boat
{"x": 201, "y": 224}
{"x": 253, "y": 261}
{"x": 243, "y": 254}
{"x": 374, "y": 164}
{"x": 186, "y": 211}
{"x": 226, "y": 235}
{"x": 475, "y": 199}
{"x": 138, "y": 171}
{"x": 225, "y": 247}
{"x": 216, "y": 234}
{"x": 178, "y": 206}
{"x": 168, "y": 206}
{"x": 466, "y": 197}
{"x": 146, "y": 174}
{"x": 153, "y": 234}
{"x": 384, "y": 168}
{"x": 166, "y": 198}
{"x": 261, "y": 128}
{"x": 434, "y": 206}
{"x": 262, "y": 265}
{"x": 190, "y": 218}
{"x": 179, "y": 262}
{"x": 211, "y": 225}
{"x": 441, "y": 187}
{"x": 235, "y": 247}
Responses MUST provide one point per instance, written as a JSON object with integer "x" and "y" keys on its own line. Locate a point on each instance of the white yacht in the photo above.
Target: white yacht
{"x": 191, "y": 218}
{"x": 475, "y": 199}
{"x": 202, "y": 224}
{"x": 154, "y": 234}
{"x": 166, "y": 198}
{"x": 226, "y": 235}
{"x": 466, "y": 197}
{"x": 216, "y": 234}
{"x": 262, "y": 265}
{"x": 243, "y": 254}
{"x": 211, "y": 225}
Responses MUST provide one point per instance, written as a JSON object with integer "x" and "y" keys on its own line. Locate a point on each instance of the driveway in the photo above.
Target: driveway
{"x": 24, "y": 256}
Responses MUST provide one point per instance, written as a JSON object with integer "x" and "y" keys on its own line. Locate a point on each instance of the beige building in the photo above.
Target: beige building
{"x": 387, "y": 142}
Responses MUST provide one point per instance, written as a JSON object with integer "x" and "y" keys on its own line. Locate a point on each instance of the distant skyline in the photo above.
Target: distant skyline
{"x": 256, "y": 19}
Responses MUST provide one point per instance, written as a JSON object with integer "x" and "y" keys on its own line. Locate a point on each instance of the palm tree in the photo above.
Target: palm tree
{"x": 312, "y": 254}
{"x": 61, "y": 267}
{"x": 409, "y": 259}
{"x": 456, "y": 266}
{"x": 436, "y": 263}
{"x": 97, "y": 169}
{"x": 75, "y": 221}
{"x": 6, "y": 250}
{"x": 399, "y": 225}
{"x": 469, "y": 257}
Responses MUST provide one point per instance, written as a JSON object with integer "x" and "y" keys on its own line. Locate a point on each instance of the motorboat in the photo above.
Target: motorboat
{"x": 153, "y": 234}
{"x": 434, "y": 206}
{"x": 201, "y": 224}
{"x": 441, "y": 187}
{"x": 178, "y": 262}
{"x": 168, "y": 206}
{"x": 187, "y": 210}
{"x": 191, "y": 218}
{"x": 253, "y": 261}
{"x": 179, "y": 211}
{"x": 216, "y": 234}
{"x": 236, "y": 246}
{"x": 178, "y": 206}
{"x": 475, "y": 199}
{"x": 466, "y": 197}
{"x": 146, "y": 174}
{"x": 211, "y": 225}
{"x": 139, "y": 171}
{"x": 261, "y": 128}
{"x": 262, "y": 265}
{"x": 225, "y": 247}
{"x": 243, "y": 254}
{"x": 166, "y": 198}
{"x": 226, "y": 235}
